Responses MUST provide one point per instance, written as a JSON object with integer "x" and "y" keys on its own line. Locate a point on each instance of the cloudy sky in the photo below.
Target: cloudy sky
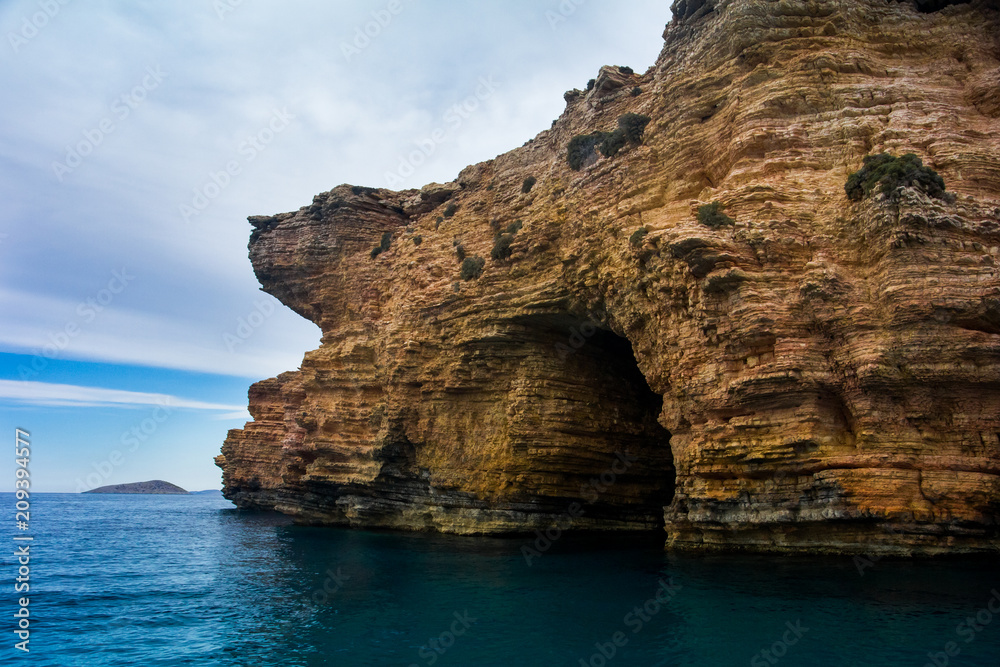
{"x": 135, "y": 139}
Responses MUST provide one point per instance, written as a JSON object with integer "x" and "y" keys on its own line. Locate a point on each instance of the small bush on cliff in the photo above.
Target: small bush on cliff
{"x": 503, "y": 240}
{"x": 637, "y": 236}
{"x": 626, "y": 70}
{"x": 711, "y": 215}
{"x": 417, "y": 240}
{"x": 581, "y": 149}
{"x": 591, "y": 84}
{"x": 472, "y": 267}
{"x": 451, "y": 210}
{"x": 637, "y": 91}
{"x": 892, "y": 173}
{"x": 613, "y": 142}
{"x": 383, "y": 245}
{"x": 634, "y": 126}
{"x": 529, "y": 183}
{"x": 501, "y": 247}
{"x": 460, "y": 252}
{"x": 631, "y": 128}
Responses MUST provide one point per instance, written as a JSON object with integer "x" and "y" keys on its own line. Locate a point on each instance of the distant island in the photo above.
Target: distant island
{"x": 152, "y": 486}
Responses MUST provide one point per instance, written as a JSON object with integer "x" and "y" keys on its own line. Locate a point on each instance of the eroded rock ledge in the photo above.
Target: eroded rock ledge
{"x": 822, "y": 376}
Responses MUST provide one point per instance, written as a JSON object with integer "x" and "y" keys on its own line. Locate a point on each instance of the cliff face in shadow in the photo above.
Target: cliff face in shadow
{"x": 821, "y": 375}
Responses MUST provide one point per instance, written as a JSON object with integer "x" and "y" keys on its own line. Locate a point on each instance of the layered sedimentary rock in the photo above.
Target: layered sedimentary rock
{"x": 823, "y": 375}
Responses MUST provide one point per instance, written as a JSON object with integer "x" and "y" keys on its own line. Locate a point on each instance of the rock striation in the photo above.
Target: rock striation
{"x": 821, "y": 375}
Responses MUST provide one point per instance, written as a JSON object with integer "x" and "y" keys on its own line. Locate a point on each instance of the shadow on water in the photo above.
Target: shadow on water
{"x": 387, "y": 595}
{"x": 188, "y": 581}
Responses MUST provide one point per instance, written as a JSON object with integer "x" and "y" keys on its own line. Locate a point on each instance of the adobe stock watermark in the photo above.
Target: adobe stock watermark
{"x": 32, "y": 26}
{"x": 863, "y": 562}
{"x": 130, "y": 440}
{"x": 566, "y": 9}
{"x": 321, "y": 596}
{"x": 247, "y": 152}
{"x": 968, "y": 630}
{"x": 22, "y": 521}
{"x": 453, "y": 119}
{"x": 247, "y": 326}
{"x": 635, "y": 620}
{"x": 773, "y": 654}
{"x": 121, "y": 108}
{"x": 87, "y": 311}
{"x": 578, "y": 336}
{"x": 591, "y": 493}
{"x": 225, "y": 7}
{"x": 365, "y": 34}
{"x": 438, "y": 646}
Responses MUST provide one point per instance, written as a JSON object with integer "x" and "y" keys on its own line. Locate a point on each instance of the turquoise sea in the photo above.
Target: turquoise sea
{"x": 190, "y": 580}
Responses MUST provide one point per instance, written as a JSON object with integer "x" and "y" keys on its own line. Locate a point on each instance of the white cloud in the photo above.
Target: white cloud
{"x": 64, "y": 329}
{"x": 68, "y": 395}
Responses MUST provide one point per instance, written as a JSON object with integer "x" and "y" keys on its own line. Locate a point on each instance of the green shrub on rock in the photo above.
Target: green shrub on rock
{"x": 631, "y": 128}
{"x": 634, "y": 126}
{"x": 711, "y": 215}
{"x": 383, "y": 245}
{"x": 893, "y": 173}
{"x": 501, "y": 247}
{"x": 637, "y": 236}
{"x": 472, "y": 267}
{"x": 581, "y": 148}
{"x": 529, "y": 183}
{"x": 503, "y": 241}
{"x": 613, "y": 142}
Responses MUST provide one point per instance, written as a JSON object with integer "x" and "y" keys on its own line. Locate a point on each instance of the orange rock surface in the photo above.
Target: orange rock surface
{"x": 822, "y": 376}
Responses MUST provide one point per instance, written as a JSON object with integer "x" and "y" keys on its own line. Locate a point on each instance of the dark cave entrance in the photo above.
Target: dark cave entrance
{"x": 614, "y": 456}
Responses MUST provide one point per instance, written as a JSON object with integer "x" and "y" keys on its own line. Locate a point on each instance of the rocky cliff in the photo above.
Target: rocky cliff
{"x": 823, "y": 374}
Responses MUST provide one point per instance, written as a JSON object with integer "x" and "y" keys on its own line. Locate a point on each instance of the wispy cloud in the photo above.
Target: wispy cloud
{"x": 68, "y": 395}
{"x": 124, "y": 336}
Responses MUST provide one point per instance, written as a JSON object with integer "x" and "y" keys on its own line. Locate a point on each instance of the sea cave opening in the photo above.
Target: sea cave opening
{"x": 616, "y": 456}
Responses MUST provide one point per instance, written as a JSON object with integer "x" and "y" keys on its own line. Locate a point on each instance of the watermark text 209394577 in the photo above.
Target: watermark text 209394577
{"x": 22, "y": 550}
